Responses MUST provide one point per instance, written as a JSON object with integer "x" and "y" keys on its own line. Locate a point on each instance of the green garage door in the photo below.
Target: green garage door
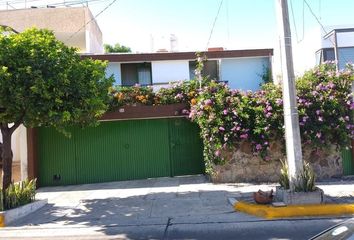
{"x": 120, "y": 150}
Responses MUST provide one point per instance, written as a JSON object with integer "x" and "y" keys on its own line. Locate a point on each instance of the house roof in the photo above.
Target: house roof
{"x": 145, "y": 57}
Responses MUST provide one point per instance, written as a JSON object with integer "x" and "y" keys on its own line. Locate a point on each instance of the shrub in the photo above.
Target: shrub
{"x": 305, "y": 182}
{"x": 121, "y": 96}
{"x": 18, "y": 194}
{"x": 284, "y": 175}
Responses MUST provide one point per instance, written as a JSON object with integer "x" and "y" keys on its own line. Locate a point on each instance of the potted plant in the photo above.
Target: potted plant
{"x": 305, "y": 191}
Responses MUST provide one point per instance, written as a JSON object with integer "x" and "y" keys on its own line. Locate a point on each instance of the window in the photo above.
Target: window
{"x": 136, "y": 73}
{"x": 328, "y": 54}
{"x": 211, "y": 69}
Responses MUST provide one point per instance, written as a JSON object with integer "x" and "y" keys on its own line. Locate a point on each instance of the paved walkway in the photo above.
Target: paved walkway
{"x": 144, "y": 203}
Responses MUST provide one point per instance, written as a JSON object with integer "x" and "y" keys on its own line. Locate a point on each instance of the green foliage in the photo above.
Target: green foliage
{"x": 266, "y": 75}
{"x": 45, "y": 83}
{"x": 284, "y": 175}
{"x": 305, "y": 182}
{"x": 117, "y": 48}
{"x": 18, "y": 194}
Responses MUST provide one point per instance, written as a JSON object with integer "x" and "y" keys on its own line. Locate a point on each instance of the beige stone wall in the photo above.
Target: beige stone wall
{"x": 242, "y": 166}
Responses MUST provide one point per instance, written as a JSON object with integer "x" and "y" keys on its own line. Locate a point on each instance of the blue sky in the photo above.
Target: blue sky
{"x": 146, "y": 25}
{"x": 241, "y": 24}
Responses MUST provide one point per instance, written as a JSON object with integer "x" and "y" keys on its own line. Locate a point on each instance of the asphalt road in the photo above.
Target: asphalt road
{"x": 263, "y": 229}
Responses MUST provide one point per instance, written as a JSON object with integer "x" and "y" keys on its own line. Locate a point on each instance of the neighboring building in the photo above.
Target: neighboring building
{"x": 73, "y": 26}
{"x": 338, "y": 41}
{"x": 241, "y": 69}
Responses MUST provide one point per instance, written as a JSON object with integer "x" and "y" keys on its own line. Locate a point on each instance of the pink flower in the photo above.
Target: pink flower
{"x": 217, "y": 153}
{"x": 318, "y": 135}
{"x": 351, "y": 106}
{"x": 258, "y": 147}
{"x": 225, "y": 112}
{"x": 244, "y": 136}
{"x": 222, "y": 129}
{"x": 279, "y": 101}
{"x": 179, "y": 96}
{"x": 185, "y": 111}
{"x": 208, "y": 102}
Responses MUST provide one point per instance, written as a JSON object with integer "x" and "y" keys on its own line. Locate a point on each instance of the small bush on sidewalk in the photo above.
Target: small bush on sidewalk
{"x": 18, "y": 194}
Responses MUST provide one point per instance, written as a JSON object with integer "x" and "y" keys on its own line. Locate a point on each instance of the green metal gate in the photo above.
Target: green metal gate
{"x": 185, "y": 148}
{"x": 348, "y": 166}
{"x": 120, "y": 150}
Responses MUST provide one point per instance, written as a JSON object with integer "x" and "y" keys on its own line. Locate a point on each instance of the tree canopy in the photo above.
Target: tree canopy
{"x": 117, "y": 48}
{"x": 45, "y": 83}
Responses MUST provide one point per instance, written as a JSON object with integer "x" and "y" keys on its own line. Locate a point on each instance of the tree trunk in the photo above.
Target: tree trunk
{"x": 6, "y": 158}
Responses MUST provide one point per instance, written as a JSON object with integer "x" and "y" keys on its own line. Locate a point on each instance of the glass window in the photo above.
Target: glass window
{"x": 211, "y": 69}
{"x": 136, "y": 73}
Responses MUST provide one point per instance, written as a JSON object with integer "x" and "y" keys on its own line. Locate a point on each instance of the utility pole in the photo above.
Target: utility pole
{"x": 291, "y": 116}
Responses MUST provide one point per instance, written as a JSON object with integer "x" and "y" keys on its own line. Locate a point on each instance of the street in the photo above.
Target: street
{"x": 162, "y": 208}
{"x": 183, "y": 229}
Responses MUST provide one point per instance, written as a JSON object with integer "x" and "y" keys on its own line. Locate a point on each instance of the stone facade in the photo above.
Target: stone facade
{"x": 242, "y": 166}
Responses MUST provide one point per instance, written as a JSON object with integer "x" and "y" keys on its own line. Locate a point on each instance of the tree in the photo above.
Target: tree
{"x": 117, "y": 48}
{"x": 45, "y": 83}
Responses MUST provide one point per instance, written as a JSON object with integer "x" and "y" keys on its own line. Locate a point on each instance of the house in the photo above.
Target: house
{"x": 337, "y": 45}
{"x": 241, "y": 69}
{"x": 75, "y": 29}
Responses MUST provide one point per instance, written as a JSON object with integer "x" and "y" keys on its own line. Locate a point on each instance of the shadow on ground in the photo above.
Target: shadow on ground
{"x": 129, "y": 216}
{"x": 192, "y": 215}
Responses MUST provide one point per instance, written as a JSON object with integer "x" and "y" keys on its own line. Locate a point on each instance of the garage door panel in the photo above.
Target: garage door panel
{"x": 122, "y": 150}
{"x": 56, "y": 157}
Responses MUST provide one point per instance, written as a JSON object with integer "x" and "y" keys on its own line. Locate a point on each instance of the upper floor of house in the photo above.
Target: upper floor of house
{"x": 72, "y": 25}
{"x": 337, "y": 41}
{"x": 241, "y": 69}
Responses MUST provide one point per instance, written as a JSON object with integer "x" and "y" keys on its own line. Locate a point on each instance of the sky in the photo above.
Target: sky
{"x": 146, "y": 25}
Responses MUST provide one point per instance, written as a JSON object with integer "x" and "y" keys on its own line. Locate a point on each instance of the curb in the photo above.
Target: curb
{"x": 12, "y": 215}
{"x": 308, "y": 210}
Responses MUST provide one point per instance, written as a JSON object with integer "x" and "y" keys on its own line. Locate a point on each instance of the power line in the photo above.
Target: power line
{"x": 293, "y": 17}
{"x": 212, "y": 28}
{"x": 313, "y": 14}
{"x": 92, "y": 19}
{"x": 323, "y": 28}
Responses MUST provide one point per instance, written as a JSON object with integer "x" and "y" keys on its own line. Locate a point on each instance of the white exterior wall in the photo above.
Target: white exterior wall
{"x": 343, "y": 40}
{"x": 243, "y": 73}
{"x": 19, "y": 149}
{"x": 114, "y": 68}
{"x": 169, "y": 71}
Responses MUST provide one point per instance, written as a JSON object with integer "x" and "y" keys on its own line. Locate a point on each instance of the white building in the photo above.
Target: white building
{"x": 337, "y": 44}
{"x": 73, "y": 26}
{"x": 241, "y": 69}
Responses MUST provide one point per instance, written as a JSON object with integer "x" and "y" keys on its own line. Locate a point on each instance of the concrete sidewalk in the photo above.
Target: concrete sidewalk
{"x": 153, "y": 204}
